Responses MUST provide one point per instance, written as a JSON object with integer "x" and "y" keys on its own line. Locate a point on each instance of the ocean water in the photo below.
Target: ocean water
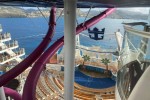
{"x": 29, "y": 32}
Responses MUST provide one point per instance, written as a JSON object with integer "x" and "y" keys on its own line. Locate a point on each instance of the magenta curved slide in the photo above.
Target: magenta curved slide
{"x": 12, "y": 93}
{"x": 18, "y": 69}
{"x": 30, "y": 85}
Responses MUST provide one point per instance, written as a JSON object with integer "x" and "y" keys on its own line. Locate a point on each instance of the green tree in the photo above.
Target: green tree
{"x": 85, "y": 58}
{"x": 106, "y": 61}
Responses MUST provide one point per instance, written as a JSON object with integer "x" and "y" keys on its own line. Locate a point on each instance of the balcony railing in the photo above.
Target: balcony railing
{"x": 20, "y": 51}
{"x": 128, "y": 76}
{"x": 5, "y": 36}
{"x": 6, "y": 58}
{"x": 9, "y": 45}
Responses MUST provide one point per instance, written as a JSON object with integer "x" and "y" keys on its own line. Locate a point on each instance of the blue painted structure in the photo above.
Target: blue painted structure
{"x": 91, "y": 82}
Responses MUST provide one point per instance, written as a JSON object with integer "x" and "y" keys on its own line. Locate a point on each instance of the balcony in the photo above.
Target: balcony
{"x": 6, "y": 58}
{"x": 5, "y": 37}
{"x": 12, "y": 45}
{"x": 1, "y": 28}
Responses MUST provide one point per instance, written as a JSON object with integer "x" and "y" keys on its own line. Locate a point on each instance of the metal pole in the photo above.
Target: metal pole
{"x": 2, "y": 94}
{"x": 69, "y": 45}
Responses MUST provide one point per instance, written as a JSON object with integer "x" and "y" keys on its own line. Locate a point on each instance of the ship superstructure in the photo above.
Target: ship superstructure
{"x": 127, "y": 76}
{"x": 10, "y": 56}
{"x": 133, "y": 75}
{"x": 9, "y": 51}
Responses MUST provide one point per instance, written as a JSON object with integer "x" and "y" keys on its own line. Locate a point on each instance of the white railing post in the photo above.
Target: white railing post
{"x": 2, "y": 94}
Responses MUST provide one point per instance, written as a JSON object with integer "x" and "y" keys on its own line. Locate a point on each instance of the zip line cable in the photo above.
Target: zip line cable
{"x": 76, "y": 17}
{"x": 35, "y": 26}
{"x": 32, "y": 36}
{"x": 77, "y": 22}
{"x": 42, "y": 14}
{"x": 88, "y": 14}
{"x": 60, "y": 14}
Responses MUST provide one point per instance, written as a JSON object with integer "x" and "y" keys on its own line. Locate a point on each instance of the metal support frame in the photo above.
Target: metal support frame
{"x": 2, "y": 94}
{"x": 69, "y": 44}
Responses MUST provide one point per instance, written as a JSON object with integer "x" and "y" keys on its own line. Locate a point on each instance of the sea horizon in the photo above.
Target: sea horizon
{"x": 29, "y": 32}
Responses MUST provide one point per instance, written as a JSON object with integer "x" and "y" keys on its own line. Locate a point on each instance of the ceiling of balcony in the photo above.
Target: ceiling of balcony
{"x": 80, "y": 3}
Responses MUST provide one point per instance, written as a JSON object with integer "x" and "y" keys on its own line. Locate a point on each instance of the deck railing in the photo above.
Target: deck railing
{"x": 128, "y": 76}
{"x": 5, "y": 36}
{"x": 93, "y": 62}
{"x": 9, "y": 45}
{"x": 7, "y": 57}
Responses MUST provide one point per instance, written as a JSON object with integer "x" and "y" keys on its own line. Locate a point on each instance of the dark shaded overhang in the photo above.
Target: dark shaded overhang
{"x": 80, "y": 3}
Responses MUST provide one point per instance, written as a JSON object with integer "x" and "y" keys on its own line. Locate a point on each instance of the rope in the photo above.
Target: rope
{"x": 132, "y": 45}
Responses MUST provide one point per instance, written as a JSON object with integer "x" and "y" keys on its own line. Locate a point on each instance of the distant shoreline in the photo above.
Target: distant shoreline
{"x": 57, "y": 16}
{"x": 18, "y": 12}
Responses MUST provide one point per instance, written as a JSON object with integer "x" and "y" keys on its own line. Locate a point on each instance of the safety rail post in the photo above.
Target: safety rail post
{"x": 69, "y": 44}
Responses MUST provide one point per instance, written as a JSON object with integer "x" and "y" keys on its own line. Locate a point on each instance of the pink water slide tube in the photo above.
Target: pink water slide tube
{"x": 12, "y": 93}
{"x": 18, "y": 69}
{"x": 30, "y": 85}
